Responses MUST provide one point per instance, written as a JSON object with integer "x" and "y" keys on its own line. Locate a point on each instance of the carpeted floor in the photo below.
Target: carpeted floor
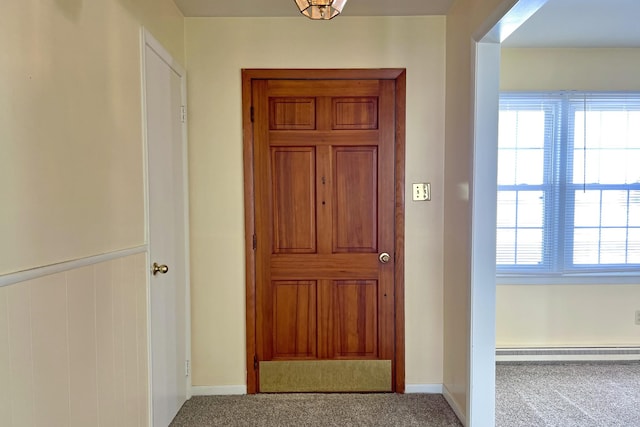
{"x": 568, "y": 395}
{"x": 344, "y": 410}
{"x": 527, "y": 395}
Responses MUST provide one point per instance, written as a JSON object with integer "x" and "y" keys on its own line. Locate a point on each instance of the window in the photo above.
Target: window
{"x": 568, "y": 184}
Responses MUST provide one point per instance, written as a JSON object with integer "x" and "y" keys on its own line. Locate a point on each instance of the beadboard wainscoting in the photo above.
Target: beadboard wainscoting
{"x": 73, "y": 347}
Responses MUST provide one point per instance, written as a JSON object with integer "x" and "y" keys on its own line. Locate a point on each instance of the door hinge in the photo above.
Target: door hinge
{"x": 255, "y": 242}
{"x": 251, "y": 112}
{"x": 183, "y": 114}
{"x": 255, "y": 362}
{"x": 187, "y": 368}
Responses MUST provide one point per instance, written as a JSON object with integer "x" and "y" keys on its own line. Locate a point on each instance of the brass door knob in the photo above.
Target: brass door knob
{"x": 384, "y": 257}
{"x": 159, "y": 268}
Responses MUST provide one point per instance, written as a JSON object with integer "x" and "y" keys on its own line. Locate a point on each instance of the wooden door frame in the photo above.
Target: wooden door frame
{"x": 399, "y": 76}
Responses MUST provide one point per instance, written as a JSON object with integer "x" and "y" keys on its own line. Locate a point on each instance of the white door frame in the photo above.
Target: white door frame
{"x": 147, "y": 40}
{"x": 509, "y": 15}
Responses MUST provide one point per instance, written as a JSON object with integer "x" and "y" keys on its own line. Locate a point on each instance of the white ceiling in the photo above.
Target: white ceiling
{"x": 581, "y": 23}
{"x": 559, "y": 23}
{"x": 284, "y": 8}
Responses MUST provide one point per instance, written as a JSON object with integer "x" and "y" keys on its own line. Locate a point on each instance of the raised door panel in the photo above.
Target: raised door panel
{"x": 355, "y": 319}
{"x": 294, "y": 319}
{"x": 294, "y": 211}
{"x": 355, "y": 113}
{"x": 292, "y": 114}
{"x": 355, "y": 219}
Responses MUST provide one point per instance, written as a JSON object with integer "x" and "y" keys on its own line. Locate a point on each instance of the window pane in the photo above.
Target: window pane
{"x": 506, "y": 246}
{"x": 529, "y": 246}
{"x": 506, "y": 167}
{"x": 587, "y": 208}
{"x": 531, "y": 129}
{"x": 613, "y": 245}
{"x": 508, "y": 129}
{"x": 530, "y": 167}
{"x": 530, "y": 209}
{"x": 634, "y": 208}
{"x": 506, "y": 209}
{"x": 585, "y": 246}
{"x": 614, "y": 208}
{"x": 633, "y": 248}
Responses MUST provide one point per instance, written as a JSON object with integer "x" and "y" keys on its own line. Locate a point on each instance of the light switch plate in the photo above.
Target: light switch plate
{"x": 421, "y": 191}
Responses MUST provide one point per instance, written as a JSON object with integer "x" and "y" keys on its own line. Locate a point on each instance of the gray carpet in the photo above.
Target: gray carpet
{"x": 568, "y": 395}
{"x": 344, "y": 410}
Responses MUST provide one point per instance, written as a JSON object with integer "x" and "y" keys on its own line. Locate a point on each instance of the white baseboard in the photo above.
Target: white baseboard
{"x": 423, "y": 388}
{"x": 220, "y": 390}
{"x": 454, "y": 406}
{"x": 567, "y": 354}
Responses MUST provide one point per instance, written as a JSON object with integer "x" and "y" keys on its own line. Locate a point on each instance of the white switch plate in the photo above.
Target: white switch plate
{"x": 421, "y": 191}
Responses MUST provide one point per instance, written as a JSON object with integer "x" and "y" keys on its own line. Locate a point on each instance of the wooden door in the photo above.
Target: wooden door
{"x": 325, "y": 238}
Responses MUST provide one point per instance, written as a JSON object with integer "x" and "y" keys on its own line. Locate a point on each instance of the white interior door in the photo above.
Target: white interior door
{"x": 167, "y": 232}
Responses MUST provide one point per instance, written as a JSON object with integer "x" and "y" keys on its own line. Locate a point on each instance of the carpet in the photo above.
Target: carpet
{"x": 344, "y": 410}
{"x": 568, "y": 395}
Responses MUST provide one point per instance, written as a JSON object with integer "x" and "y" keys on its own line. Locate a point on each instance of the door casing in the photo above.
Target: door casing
{"x": 395, "y": 74}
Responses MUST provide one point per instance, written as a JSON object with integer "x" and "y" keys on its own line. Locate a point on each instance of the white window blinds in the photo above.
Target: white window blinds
{"x": 568, "y": 183}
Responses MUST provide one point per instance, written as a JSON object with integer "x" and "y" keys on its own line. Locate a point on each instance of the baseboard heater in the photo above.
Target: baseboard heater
{"x": 567, "y": 354}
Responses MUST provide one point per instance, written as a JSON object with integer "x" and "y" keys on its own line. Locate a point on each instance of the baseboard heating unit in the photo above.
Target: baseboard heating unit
{"x": 567, "y": 354}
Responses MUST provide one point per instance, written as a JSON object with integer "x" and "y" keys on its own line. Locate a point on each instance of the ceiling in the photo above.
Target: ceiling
{"x": 580, "y": 23}
{"x": 284, "y": 8}
{"x": 559, "y": 23}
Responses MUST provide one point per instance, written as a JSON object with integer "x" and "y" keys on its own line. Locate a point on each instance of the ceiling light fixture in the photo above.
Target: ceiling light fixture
{"x": 320, "y": 9}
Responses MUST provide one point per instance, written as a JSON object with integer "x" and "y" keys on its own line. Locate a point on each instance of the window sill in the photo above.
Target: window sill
{"x": 570, "y": 279}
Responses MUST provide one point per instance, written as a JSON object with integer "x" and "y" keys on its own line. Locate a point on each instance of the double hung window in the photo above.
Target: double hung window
{"x": 568, "y": 184}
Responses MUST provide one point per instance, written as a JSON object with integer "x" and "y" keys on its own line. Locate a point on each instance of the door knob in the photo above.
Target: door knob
{"x": 384, "y": 257}
{"x": 159, "y": 268}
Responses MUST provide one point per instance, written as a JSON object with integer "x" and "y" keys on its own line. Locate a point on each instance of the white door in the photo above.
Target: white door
{"x": 167, "y": 232}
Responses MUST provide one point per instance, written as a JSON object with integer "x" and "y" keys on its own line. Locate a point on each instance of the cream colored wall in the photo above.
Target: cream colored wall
{"x": 463, "y": 20}
{"x": 568, "y": 315}
{"x": 70, "y": 124}
{"x": 217, "y": 49}
{"x": 73, "y": 348}
{"x": 570, "y": 69}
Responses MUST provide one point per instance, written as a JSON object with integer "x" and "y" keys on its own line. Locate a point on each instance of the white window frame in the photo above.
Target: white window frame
{"x": 557, "y": 268}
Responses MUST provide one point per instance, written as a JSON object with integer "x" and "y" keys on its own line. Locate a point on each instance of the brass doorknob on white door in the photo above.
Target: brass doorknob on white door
{"x": 384, "y": 257}
{"x": 159, "y": 268}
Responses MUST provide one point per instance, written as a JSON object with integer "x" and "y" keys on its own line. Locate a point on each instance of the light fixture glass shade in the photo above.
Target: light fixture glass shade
{"x": 320, "y": 9}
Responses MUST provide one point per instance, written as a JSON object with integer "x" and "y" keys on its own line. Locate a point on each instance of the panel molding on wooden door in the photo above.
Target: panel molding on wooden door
{"x": 324, "y": 279}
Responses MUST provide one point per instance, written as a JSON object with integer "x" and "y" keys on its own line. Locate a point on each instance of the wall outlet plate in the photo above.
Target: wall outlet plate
{"x": 421, "y": 192}
{"x": 637, "y": 317}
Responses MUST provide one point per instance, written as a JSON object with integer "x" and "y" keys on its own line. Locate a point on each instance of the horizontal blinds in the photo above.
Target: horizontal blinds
{"x": 568, "y": 177}
{"x": 527, "y": 135}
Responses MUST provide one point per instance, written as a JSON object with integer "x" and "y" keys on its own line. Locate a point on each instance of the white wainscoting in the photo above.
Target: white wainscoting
{"x": 73, "y": 346}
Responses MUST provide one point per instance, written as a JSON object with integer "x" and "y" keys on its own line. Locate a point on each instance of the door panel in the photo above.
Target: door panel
{"x": 324, "y": 158}
{"x": 356, "y": 200}
{"x": 294, "y": 210}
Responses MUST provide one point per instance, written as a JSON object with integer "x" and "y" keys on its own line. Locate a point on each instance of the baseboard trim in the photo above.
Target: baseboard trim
{"x": 34, "y": 273}
{"x": 454, "y": 405}
{"x": 423, "y": 388}
{"x": 220, "y": 390}
{"x": 567, "y": 354}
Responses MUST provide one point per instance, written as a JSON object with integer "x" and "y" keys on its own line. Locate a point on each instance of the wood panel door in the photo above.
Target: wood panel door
{"x": 325, "y": 234}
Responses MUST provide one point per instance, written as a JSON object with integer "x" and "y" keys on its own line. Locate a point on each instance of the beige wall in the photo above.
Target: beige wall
{"x": 568, "y": 315}
{"x": 70, "y": 124}
{"x": 73, "y": 348}
{"x": 464, "y": 19}
{"x": 217, "y": 49}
